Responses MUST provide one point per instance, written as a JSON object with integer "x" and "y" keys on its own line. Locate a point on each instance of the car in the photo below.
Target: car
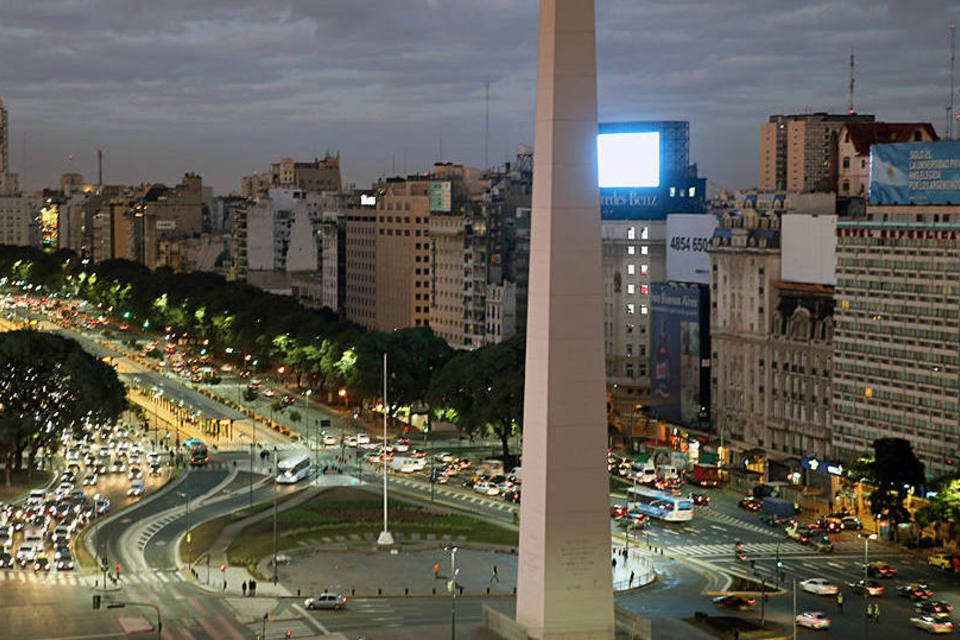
{"x": 512, "y": 496}
{"x": 933, "y": 607}
{"x": 438, "y": 476}
{"x": 819, "y": 586}
{"x": 102, "y": 506}
{"x": 618, "y": 510}
{"x": 6, "y": 560}
{"x": 700, "y": 500}
{"x": 90, "y": 480}
{"x": 26, "y": 553}
{"x": 336, "y": 601}
{"x": 270, "y": 393}
{"x": 445, "y": 457}
{"x": 329, "y": 441}
{"x": 137, "y": 489}
{"x": 486, "y": 488}
{"x": 41, "y": 563}
{"x": 60, "y": 550}
{"x": 750, "y": 504}
{"x": 363, "y": 438}
{"x": 931, "y": 624}
{"x": 852, "y": 523}
{"x": 65, "y": 562}
{"x": 872, "y": 587}
{"x": 798, "y": 535}
{"x": 135, "y": 473}
{"x": 118, "y": 466}
{"x": 288, "y": 400}
{"x": 813, "y": 620}
{"x": 915, "y": 591}
{"x": 823, "y": 546}
{"x": 941, "y": 561}
{"x": 880, "y": 570}
{"x": 735, "y": 602}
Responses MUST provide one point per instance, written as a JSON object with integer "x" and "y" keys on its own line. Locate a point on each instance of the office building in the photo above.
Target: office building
{"x": 798, "y": 152}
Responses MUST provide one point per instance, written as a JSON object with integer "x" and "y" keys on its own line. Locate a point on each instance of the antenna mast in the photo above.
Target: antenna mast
{"x": 948, "y": 130}
{"x": 486, "y": 125}
{"x": 853, "y": 70}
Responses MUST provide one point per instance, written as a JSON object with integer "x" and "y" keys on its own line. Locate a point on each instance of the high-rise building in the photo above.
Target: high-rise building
{"x": 8, "y": 181}
{"x": 799, "y": 152}
{"x": 319, "y": 175}
{"x": 896, "y": 370}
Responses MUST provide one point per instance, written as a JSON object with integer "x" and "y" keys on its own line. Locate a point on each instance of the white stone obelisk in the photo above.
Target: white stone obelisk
{"x": 564, "y": 585}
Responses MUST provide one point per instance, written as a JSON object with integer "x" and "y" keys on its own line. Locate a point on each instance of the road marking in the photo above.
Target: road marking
{"x": 835, "y": 564}
{"x": 310, "y": 619}
{"x": 717, "y": 527}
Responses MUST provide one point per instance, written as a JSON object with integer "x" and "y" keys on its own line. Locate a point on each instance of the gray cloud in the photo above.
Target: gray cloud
{"x": 223, "y": 87}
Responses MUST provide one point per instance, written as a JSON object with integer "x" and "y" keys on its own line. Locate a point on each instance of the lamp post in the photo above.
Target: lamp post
{"x": 189, "y": 537}
{"x": 794, "y": 609}
{"x": 866, "y": 593}
{"x": 275, "y": 464}
{"x": 386, "y": 538}
{"x": 452, "y": 588}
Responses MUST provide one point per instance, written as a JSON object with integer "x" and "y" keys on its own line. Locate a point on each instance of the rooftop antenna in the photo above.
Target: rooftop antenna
{"x": 486, "y": 125}
{"x": 948, "y": 130}
{"x": 99, "y": 167}
{"x": 853, "y": 68}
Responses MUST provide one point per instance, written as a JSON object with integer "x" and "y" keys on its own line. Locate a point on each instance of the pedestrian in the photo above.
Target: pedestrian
{"x": 436, "y": 570}
{"x": 224, "y": 585}
{"x": 876, "y": 612}
{"x": 243, "y": 588}
{"x": 253, "y": 587}
{"x": 614, "y": 562}
{"x": 840, "y": 601}
{"x": 630, "y": 584}
{"x": 495, "y": 575}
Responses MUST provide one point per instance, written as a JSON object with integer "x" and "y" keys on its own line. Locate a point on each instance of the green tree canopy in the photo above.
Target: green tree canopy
{"x": 50, "y": 386}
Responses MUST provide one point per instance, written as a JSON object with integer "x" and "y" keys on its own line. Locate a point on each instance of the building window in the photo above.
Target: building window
{"x": 644, "y": 270}
{"x": 629, "y": 329}
{"x": 845, "y": 187}
{"x": 644, "y": 290}
{"x": 644, "y": 235}
{"x": 631, "y": 250}
{"x": 631, "y": 269}
{"x": 631, "y": 308}
{"x": 631, "y": 233}
{"x": 846, "y": 162}
{"x": 631, "y": 289}
{"x": 629, "y": 369}
{"x": 644, "y": 309}
{"x": 692, "y": 192}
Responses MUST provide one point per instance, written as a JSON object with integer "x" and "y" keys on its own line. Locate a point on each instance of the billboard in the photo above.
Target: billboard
{"x": 679, "y": 364}
{"x": 440, "y": 199}
{"x": 688, "y": 237}
{"x": 629, "y": 159}
{"x": 808, "y": 248}
{"x": 915, "y": 173}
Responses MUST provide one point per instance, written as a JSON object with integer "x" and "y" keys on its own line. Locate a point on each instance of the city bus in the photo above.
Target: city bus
{"x": 293, "y": 469}
{"x": 199, "y": 455}
{"x": 659, "y": 504}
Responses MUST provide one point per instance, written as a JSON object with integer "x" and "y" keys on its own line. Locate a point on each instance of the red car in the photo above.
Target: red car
{"x": 750, "y": 504}
{"x": 618, "y": 511}
{"x": 700, "y": 499}
{"x": 880, "y": 570}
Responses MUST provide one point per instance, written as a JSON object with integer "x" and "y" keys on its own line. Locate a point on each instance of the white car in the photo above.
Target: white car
{"x": 351, "y": 441}
{"x": 486, "y": 488}
{"x": 334, "y": 601}
{"x": 329, "y": 441}
{"x": 813, "y": 620}
{"x": 820, "y": 587}
{"x": 26, "y": 554}
{"x": 363, "y": 438}
{"x": 932, "y": 625}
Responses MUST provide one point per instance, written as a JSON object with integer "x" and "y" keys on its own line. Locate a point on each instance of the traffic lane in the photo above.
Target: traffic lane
{"x": 676, "y": 592}
{"x": 194, "y": 483}
{"x": 160, "y": 551}
{"x": 177, "y": 390}
{"x": 34, "y": 610}
{"x": 369, "y": 615}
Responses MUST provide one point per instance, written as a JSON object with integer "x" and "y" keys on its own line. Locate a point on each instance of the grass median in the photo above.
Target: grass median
{"x": 344, "y": 512}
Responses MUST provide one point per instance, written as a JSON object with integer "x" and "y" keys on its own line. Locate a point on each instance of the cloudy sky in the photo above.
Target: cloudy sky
{"x": 222, "y": 87}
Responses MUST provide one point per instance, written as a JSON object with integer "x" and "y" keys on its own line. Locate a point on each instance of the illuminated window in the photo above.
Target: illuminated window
{"x": 644, "y": 310}
{"x": 644, "y": 290}
{"x": 644, "y": 270}
{"x": 631, "y": 250}
{"x": 631, "y": 289}
{"x": 692, "y": 191}
{"x": 631, "y": 233}
{"x": 631, "y": 309}
{"x": 644, "y": 250}
{"x": 673, "y": 192}
{"x": 645, "y": 233}
{"x": 631, "y": 269}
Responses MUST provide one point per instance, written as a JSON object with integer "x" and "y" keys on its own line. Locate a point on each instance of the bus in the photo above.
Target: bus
{"x": 293, "y": 469}
{"x": 199, "y": 455}
{"x": 660, "y": 504}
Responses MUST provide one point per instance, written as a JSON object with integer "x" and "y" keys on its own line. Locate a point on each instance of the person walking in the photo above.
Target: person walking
{"x": 436, "y": 570}
{"x": 630, "y": 584}
{"x": 840, "y": 601}
{"x": 876, "y": 612}
{"x": 243, "y": 588}
{"x": 495, "y": 575}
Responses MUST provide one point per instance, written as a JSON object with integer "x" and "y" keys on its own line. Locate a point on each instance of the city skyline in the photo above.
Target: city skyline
{"x": 223, "y": 89}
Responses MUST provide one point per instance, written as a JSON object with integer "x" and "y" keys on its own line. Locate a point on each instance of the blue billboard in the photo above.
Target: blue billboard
{"x": 679, "y": 384}
{"x": 915, "y": 173}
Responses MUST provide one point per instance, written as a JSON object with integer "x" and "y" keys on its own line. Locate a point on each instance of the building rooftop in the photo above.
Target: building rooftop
{"x": 865, "y": 134}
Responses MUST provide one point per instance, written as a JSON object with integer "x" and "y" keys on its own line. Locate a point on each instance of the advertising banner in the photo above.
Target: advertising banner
{"x": 915, "y": 173}
{"x": 675, "y": 355}
{"x": 688, "y": 237}
{"x": 440, "y": 199}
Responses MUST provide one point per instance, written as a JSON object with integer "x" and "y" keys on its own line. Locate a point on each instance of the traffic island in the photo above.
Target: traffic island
{"x": 727, "y": 627}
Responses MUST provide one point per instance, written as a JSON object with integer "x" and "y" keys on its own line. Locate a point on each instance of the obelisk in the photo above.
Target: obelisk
{"x": 564, "y": 584}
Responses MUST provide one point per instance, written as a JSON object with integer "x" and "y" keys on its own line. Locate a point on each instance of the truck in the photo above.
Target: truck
{"x": 778, "y": 507}
{"x": 705, "y": 475}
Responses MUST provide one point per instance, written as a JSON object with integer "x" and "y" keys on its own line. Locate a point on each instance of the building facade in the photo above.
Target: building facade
{"x": 799, "y": 152}
{"x": 896, "y": 370}
{"x": 853, "y": 150}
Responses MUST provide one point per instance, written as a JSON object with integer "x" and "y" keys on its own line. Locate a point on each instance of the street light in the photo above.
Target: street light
{"x": 276, "y": 468}
{"x": 189, "y": 537}
{"x": 452, "y": 588}
{"x": 866, "y": 566}
{"x": 386, "y": 538}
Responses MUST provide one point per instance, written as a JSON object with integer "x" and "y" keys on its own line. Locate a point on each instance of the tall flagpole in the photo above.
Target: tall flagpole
{"x": 386, "y": 538}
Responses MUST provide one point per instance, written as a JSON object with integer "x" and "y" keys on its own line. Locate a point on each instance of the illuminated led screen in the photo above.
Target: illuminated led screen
{"x": 629, "y": 159}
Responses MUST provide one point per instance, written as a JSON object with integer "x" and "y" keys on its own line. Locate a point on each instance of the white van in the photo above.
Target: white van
{"x": 667, "y": 472}
{"x": 137, "y": 487}
{"x": 403, "y": 464}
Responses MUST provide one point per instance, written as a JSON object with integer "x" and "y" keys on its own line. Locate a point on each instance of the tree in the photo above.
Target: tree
{"x": 50, "y": 386}
{"x": 897, "y": 472}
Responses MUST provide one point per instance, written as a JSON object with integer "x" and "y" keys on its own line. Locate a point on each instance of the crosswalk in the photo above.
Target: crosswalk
{"x": 756, "y": 549}
{"x": 460, "y": 496}
{"x": 70, "y": 578}
{"x": 742, "y": 524}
